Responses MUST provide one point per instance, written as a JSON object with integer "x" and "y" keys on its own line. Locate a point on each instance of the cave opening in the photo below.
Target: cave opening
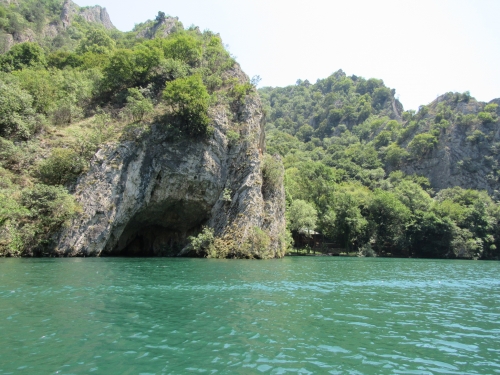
{"x": 160, "y": 229}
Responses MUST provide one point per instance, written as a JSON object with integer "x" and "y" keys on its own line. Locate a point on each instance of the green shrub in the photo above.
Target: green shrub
{"x": 485, "y": 117}
{"x": 272, "y": 172}
{"x": 257, "y": 243}
{"x": 203, "y": 242}
{"x": 17, "y": 116}
{"x": 138, "y": 105}
{"x": 183, "y": 47}
{"x": 395, "y": 155}
{"x": 492, "y": 108}
{"x": 188, "y": 98}
{"x": 23, "y": 55}
{"x": 96, "y": 41}
{"x": 467, "y": 120}
{"x": 232, "y": 137}
{"x": 240, "y": 91}
{"x": 301, "y": 215}
{"x": 422, "y": 144}
{"x": 476, "y": 136}
{"x": 61, "y": 167}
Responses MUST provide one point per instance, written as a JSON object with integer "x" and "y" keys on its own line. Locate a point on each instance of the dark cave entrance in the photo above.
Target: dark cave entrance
{"x": 161, "y": 229}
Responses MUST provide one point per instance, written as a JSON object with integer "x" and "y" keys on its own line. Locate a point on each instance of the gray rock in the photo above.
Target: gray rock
{"x": 97, "y": 14}
{"x": 460, "y": 159}
{"x": 147, "y": 197}
{"x": 161, "y": 29}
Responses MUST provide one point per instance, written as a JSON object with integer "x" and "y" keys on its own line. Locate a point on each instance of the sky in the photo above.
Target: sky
{"x": 422, "y": 48}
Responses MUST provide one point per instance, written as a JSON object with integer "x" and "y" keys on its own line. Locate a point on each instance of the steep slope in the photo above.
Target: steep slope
{"x": 142, "y": 143}
{"x": 466, "y": 144}
{"x": 378, "y": 180}
{"x": 147, "y": 197}
{"x": 53, "y": 24}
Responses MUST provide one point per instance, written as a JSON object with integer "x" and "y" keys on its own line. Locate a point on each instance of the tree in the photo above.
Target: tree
{"x": 23, "y": 55}
{"x": 389, "y": 218}
{"x": 138, "y": 105}
{"x": 119, "y": 73}
{"x": 96, "y": 41}
{"x": 344, "y": 221}
{"x": 183, "y": 47}
{"x": 302, "y": 216}
{"x": 305, "y": 133}
{"x": 188, "y": 98}
{"x": 160, "y": 17}
{"x": 62, "y": 166}
{"x": 395, "y": 155}
{"x": 17, "y": 117}
{"x": 422, "y": 144}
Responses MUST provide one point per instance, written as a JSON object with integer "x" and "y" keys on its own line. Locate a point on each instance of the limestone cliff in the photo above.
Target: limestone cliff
{"x": 146, "y": 197}
{"x": 467, "y": 153}
{"x": 95, "y": 14}
{"x": 50, "y": 29}
{"x": 158, "y": 28}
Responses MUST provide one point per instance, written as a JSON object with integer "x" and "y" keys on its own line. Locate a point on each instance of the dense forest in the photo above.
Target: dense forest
{"x": 346, "y": 144}
{"x": 70, "y": 82}
{"x": 68, "y": 85}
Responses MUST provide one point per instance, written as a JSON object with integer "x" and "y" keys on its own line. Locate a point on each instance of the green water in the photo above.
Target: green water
{"x": 297, "y": 315}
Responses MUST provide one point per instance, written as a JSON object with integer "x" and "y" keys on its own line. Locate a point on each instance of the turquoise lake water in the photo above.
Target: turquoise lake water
{"x": 298, "y": 315}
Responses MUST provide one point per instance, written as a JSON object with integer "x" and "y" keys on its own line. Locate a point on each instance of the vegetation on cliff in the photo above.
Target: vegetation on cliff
{"x": 346, "y": 142}
{"x": 65, "y": 93}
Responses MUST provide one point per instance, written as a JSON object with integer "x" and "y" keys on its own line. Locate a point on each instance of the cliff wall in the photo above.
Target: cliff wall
{"x": 467, "y": 153}
{"x": 146, "y": 197}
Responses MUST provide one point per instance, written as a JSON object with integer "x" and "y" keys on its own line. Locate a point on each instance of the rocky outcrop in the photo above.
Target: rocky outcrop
{"x": 68, "y": 11}
{"x": 97, "y": 14}
{"x": 94, "y": 14}
{"x": 162, "y": 28}
{"x": 146, "y": 197}
{"x": 467, "y": 154}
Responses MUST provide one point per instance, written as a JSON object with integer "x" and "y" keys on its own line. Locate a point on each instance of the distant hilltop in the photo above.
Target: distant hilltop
{"x": 47, "y": 24}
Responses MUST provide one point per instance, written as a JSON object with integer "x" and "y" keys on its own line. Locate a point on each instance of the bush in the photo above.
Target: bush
{"x": 257, "y": 243}
{"x": 61, "y": 167}
{"x": 422, "y": 144}
{"x": 395, "y": 155}
{"x": 17, "y": 116}
{"x": 188, "y": 98}
{"x": 272, "y": 172}
{"x": 301, "y": 215}
{"x": 138, "y": 105}
{"x": 485, "y": 117}
{"x": 232, "y": 137}
{"x": 96, "y": 41}
{"x": 23, "y": 55}
{"x": 203, "y": 242}
{"x": 492, "y": 107}
{"x": 183, "y": 47}
{"x": 29, "y": 219}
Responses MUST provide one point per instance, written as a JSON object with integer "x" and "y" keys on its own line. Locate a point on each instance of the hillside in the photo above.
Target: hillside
{"x": 97, "y": 125}
{"x": 88, "y": 112}
{"x": 380, "y": 180}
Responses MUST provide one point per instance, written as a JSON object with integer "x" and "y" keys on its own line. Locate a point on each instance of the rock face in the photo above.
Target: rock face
{"x": 94, "y": 14}
{"x": 146, "y": 197}
{"x": 467, "y": 155}
{"x": 99, "y": 15}
{"x": 162, "y": 28}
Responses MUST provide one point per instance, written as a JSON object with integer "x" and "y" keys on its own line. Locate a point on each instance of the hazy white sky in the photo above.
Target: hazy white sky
{"x": 420, "y": 48}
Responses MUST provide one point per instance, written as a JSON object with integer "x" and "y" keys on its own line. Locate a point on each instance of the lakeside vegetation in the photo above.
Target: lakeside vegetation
{"x": 343, "y": 141}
